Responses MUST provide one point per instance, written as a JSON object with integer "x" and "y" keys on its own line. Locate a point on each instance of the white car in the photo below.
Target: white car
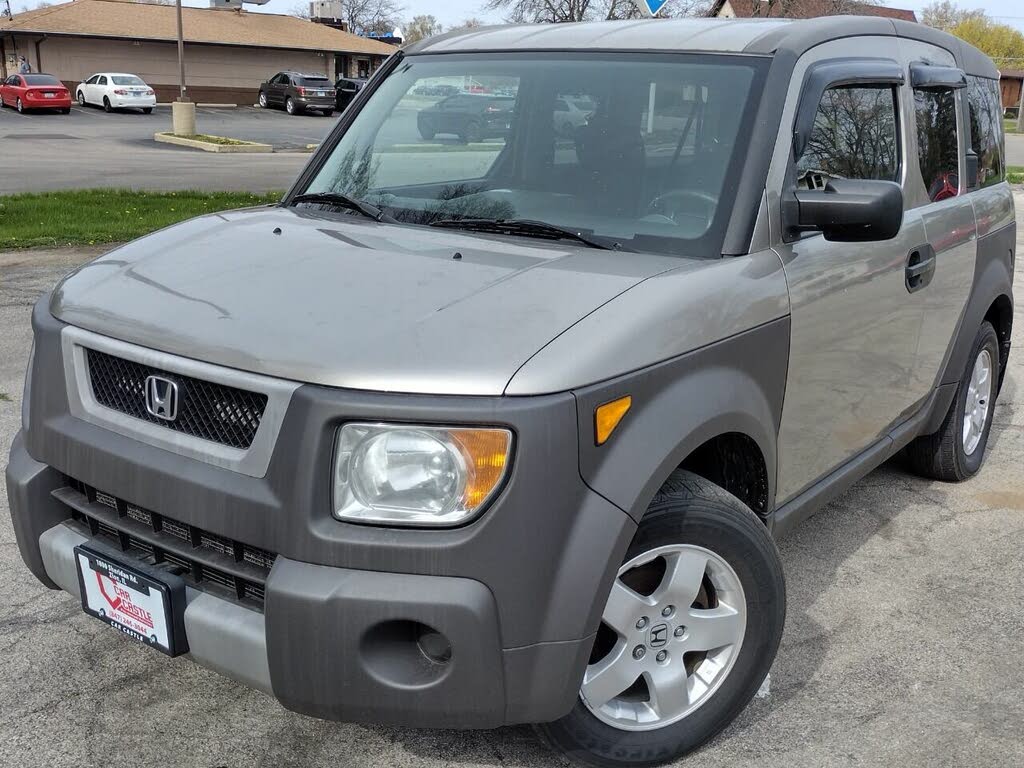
{"x": 114, "y": 90}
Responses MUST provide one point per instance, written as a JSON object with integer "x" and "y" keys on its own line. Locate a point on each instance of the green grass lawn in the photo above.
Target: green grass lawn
{"x": 1010, "y": 126}
{"x": 1015, "y": 174}
{"x": 94, "y": 216}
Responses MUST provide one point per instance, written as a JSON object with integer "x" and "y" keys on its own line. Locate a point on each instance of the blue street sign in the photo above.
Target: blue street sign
{"x": 651, "y": 7}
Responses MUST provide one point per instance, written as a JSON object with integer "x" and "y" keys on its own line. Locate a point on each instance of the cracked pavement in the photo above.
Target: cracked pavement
{"x": 902, "y": 646}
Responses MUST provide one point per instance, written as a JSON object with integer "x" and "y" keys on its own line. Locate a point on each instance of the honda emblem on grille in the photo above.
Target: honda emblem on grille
{"x": 162, "y": 398}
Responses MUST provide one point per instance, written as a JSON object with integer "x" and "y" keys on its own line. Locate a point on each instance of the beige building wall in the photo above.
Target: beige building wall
{"x": 213, "y": 73}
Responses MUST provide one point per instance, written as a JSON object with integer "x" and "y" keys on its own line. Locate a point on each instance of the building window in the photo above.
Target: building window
{"x": 937, "y": 142}
{"x": 855, "y": 136}
{"x": 985, "y": 108}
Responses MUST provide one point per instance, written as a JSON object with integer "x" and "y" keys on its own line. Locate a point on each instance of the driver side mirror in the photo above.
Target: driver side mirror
{"x": 852, "y": 211}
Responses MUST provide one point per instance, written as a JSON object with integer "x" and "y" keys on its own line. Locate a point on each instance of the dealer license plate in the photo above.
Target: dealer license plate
{"x": 142, "y": 606}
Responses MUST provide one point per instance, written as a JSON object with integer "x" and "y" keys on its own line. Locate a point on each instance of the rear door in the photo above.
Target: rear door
{"x": 936, "y": 190}
{"x": 854, "y": 327}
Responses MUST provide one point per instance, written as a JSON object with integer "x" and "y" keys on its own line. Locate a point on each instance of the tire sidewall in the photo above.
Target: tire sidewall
{"x": 764, "y": 592}
{"x": 987, "y": 339}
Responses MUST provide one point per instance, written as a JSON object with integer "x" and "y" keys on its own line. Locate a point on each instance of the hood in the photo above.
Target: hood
{"x": 347, "y": 302}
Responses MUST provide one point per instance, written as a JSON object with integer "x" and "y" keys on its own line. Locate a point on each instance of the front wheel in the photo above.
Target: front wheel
{"x": 81, "y": 99}
{"x": 688, "y": 635}
{"x": 263, "y": 100}
{"x": 957, "y": 451}
{"x": 107, "y": 107}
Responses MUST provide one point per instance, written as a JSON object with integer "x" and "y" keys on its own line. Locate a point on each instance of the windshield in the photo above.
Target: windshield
{"x": 127, "y": 80}
{"x": 315, "y": 82}
{"x": 41, "y": 80}
{"x": 641, "y": 150}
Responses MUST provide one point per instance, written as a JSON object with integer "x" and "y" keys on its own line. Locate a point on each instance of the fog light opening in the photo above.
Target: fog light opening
{"x": 435, "y": 646}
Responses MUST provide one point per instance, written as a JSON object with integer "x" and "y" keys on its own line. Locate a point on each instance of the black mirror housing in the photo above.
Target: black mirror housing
{"x": 852, "y": 211}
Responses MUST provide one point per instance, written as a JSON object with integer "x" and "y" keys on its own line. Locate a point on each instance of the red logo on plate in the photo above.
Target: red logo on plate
{"x": 122, "y": 601}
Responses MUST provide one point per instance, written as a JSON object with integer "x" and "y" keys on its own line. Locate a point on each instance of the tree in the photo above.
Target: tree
{"x": 419, "y": 28}
{"x": 1004, "y": 44}
{"x": 366, "y": 17}
{"x": 300, "y": 11}
{"x": 558, "y": 11}
{"x": 945, "y": 14}
{"x": 470, "y": 23}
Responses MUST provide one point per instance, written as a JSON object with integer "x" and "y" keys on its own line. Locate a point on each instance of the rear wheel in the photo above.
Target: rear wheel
{"x": 328, "y": 113}
{"x": 19, "y": 106}
{"x": 65, "y": 110}
{"x": 290, "y": 107}
{"x": 957, "y": 451}
{"x": 689, "y": 632}
{"x": 147, "y": 110}
{"x": 472, "y": 133}
{"x": 106, "y": 105}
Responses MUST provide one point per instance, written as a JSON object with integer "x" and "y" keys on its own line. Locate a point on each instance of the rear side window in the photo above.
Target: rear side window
{"x": 855, "y": 136}
{"x": 985, "y": 111}
{"x": 938, "y": 150}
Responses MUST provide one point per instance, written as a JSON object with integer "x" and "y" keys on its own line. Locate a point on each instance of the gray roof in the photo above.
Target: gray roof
{"x": 753, "y": 36}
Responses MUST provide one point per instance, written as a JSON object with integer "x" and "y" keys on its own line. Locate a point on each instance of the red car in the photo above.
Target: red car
{"x": 24, "y": 92}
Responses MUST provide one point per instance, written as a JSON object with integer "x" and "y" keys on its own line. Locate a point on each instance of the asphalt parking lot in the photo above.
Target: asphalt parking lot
{"x": 44, "y": 151}
{"x": 902, "y": 646}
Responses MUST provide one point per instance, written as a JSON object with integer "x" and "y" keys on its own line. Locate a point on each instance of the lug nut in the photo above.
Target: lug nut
{"x": 662, "y": 656}
{"x": 668, "y": 610}
{"x": 639, "y": 652}
{"x": 642, "y": 623}
{"x": 680, "y": 631}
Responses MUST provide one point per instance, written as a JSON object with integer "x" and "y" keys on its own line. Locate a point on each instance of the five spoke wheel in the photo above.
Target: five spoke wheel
{"x": 672, "y": 629}
{"x": 979, "y": 396}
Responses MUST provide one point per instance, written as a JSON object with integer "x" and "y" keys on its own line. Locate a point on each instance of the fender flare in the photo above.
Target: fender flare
{"x": 734, "y": 386}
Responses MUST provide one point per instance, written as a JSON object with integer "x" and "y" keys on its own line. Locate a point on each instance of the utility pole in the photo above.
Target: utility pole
{"x": 1020, "y": 109}
{"x": 183, "y": 112}
{"x": 181, "y": 55}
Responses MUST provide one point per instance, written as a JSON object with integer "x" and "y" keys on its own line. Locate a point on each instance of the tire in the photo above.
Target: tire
{"x": 147, "y": 110}
{"x": 65, "y": 110}
{"x": 19, "y": 106}
{"x": 289, "y": 107}
{"x": 263, "y": 100}
{"x": 427, "y": 132}
{"x": 949, "y": 455}
{"x": 106, "y": 105}
{"x": 694, "y": 516}
{"x": 472, "y": 133}
{"x": 81, "y": 100}
{"x": 328, "y": 113}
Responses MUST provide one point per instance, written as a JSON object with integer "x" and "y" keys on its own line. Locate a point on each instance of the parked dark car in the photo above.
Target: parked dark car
{"x": 346, "y": 89}
{"x": 298, "y": 93}
{"x": 471, "y": 117}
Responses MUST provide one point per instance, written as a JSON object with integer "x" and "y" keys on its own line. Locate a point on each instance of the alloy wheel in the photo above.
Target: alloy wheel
{"x": 81, "y": 99}
{"x": 671, "y": 632}
{"x": 979, "y": 398}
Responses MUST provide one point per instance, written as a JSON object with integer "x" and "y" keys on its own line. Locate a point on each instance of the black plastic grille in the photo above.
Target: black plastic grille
{"x": 214, "y": 412}
{"x": 206, "y": 560}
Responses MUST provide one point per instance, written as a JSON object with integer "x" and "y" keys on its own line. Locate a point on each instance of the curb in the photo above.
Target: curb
{"x": 205, "y": 106}
{"x": 246, "y": 148}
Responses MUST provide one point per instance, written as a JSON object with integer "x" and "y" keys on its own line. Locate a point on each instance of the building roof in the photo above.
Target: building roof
{"x": 145, "y": 21}
{"x": 806, "y": 9}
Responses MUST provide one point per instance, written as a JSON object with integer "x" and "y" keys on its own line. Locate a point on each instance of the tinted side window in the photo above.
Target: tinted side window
{"x": 855, "y": 136}
{"x": 938, "y": 150}
{"x": 985, "y": 113}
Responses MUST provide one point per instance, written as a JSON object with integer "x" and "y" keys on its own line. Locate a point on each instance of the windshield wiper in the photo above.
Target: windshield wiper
{"x": 347, "y": 203}
{"x": 526, "y": 228}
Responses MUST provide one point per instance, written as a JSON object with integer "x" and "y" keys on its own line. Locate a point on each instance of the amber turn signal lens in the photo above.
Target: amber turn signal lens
{"x": 486, "y": 453}
{"x": 608, "y": 416}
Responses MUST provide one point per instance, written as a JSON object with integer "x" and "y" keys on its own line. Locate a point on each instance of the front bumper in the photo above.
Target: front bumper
{"x": 517, "y": 594}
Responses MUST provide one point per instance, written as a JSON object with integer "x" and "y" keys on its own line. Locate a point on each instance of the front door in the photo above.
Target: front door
{"x": 855, "y": 326}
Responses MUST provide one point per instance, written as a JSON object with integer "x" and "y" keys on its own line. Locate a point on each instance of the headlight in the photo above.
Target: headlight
{"x": 422, "y": 476}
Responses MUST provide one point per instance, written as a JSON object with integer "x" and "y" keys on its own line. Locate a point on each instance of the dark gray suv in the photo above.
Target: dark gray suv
{"x": 469, "y": 435}
{"x": 297, "y": 93}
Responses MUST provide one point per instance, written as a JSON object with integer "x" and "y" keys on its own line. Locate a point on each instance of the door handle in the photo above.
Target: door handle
{"x": 920, "y": 269}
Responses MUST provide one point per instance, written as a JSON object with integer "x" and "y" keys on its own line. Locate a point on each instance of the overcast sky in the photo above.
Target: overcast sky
{"x": 452, "y": 12}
